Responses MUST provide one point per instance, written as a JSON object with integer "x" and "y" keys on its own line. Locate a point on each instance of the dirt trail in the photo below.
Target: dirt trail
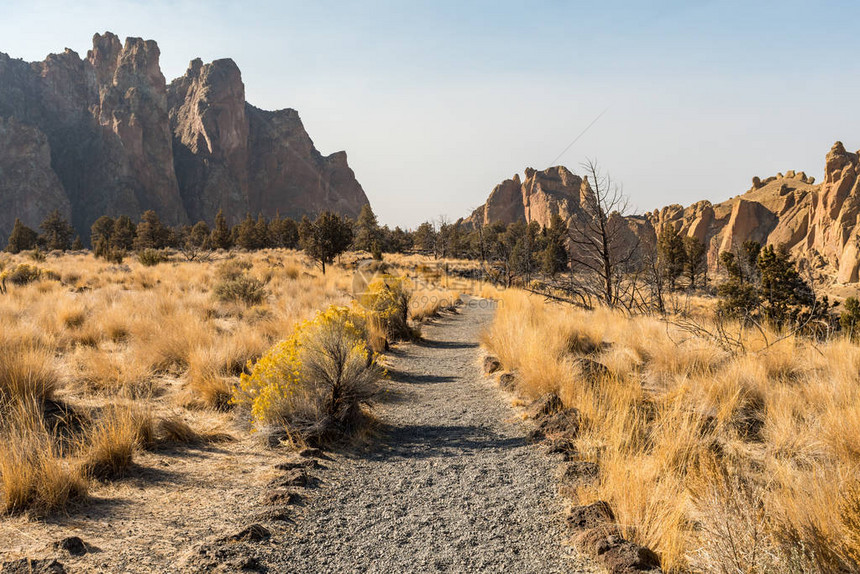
{"x": 451, "y": 485}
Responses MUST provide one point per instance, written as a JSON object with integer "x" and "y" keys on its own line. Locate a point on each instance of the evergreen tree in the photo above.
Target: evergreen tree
{"x": 77, "y": 244}
{"x": 199, "y": 235}
{"x": 262, "y": 232}
{"x": 284, "y": 232}
{"x": 221, "y": 236}
{"x": 695, "y": 260}
{"x": 554, "y": 256}
{"x": 124, "y": 234}
{"x": 22, "y": 238}
{"x": 425, "y": 237}
{"x": 399, "y": 241}
{"x": 101, "y": 234}
{"x": 57, "y": 233}
{"x": 670, "y": 250}
{"x": 326, "y": 237}
{"x": 849, "y": 320}
{"x": 366, "y": 229}
{"x": 245, "y": 234}
{"x": 151, "y": 233}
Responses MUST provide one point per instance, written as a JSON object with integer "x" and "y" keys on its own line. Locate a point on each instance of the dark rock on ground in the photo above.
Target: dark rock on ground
{"x": 298, "y": 463}
{"x": 281, "y": 496}
{"x": 589, "y": 516}
{"x": 311, "y": 453}
{"x": 545, "y": 405}
{"x": 579, "y": 472}
{"x": 564, "y": 422}
{"x": 491, "y": 365}
{"x": 73, "y": 545}
{"x": 618, "y": 556}
{"x": 295, "y": 477}
{"x": 508, "y": 381}
{"x": 560, "y": 445}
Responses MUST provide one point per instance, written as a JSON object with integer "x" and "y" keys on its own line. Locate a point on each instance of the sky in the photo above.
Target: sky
{"x": 437, "y": 102}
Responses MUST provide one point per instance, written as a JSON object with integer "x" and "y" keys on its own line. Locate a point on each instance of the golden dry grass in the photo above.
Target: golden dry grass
{"x": 720, "y": 462}
{"x": 125, "y": 346}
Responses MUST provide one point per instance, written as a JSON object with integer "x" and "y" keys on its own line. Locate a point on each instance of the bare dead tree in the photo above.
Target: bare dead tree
{"x": 603, "y": 248}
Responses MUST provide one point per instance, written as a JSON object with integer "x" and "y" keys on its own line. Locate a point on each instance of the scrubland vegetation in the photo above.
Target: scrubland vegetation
{"x": 721, "y": 460}
{"x": 100, "y": 361}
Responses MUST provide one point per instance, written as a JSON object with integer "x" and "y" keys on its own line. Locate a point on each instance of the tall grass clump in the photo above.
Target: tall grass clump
{"x": 34, "y": 475}
{"x": 26, "y": 372}
{"x": 315, "y": 384}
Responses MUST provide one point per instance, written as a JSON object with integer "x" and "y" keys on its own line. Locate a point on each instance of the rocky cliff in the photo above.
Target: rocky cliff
{"x": 106, "y": 134}
{"x": 817, "y": 223}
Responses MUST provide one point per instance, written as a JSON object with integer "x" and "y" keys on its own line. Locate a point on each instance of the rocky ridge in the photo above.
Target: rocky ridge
{"x": 107, "y": 135}
{"x": 817, "y": 223}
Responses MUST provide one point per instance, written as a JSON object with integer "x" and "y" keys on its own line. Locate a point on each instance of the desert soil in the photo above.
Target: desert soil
{"x": 447, "y": 484}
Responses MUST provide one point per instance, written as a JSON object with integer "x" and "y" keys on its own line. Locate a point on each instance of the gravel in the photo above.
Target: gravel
{"x": 450, "y": 485}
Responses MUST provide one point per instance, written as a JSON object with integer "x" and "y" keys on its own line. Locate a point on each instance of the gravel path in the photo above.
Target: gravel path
{"x": 450, "y": 486}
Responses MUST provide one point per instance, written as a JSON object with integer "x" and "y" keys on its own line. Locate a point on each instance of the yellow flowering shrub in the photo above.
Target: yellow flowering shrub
{"x": 315, "y": 381}
{"x": 386, "y": 298}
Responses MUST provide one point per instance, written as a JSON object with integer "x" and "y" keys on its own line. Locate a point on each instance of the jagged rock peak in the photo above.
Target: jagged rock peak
{"x": 122, "y": 141}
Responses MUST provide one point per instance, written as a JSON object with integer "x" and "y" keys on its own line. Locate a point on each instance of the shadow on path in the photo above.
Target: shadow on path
{"x": 429, "y": 441}
{"x": 445, "y": 344}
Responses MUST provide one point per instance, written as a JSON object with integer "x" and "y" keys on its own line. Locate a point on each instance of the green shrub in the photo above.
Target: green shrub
{"x": 247, "y": 290}
{"x": 849, "y": 319}
{"x": 22, "y": 274}
{"x": 151, "y": 257}
{"x": 232, "y": 269}
{"x": 36, "y": 255}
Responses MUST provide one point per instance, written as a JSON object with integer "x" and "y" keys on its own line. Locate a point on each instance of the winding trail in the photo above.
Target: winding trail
{"x": 450, "y": 486}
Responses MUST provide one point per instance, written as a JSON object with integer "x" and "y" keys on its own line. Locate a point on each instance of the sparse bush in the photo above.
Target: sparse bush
{"x": 21, "y": 274}
{"x": 36, "y": 255}
{"x": 315, "y": 383}
{"x": 387, "y": 298}
{"x": 247, "y": 290}
{"x": 151, "y": 257}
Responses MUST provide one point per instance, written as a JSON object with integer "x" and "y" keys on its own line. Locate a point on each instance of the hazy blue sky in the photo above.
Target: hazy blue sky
{"x": 437, "y": 102}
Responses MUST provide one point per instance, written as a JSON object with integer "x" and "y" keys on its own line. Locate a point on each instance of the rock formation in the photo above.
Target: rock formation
{"x": 106, "y": 135}
{"x": 818, "y": 224}
{"x": 538, "y": 197}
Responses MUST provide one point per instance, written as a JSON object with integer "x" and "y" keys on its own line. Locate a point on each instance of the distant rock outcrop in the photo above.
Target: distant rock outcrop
{"x": 119, "y": 140}
{"x": 538, "y": 197}
{"x": 818, "y": 224}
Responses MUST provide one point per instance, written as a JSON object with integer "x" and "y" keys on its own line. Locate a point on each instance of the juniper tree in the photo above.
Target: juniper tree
{"x": 22, "y": 238}
{"x": 57, "y": 233}
{"x": 326, "y": 237}
{"x": 221, "y": 236}
{"x": 670, "y": 247}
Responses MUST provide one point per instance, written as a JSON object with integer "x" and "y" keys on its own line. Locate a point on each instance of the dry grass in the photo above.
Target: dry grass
{"x": 126, "y": 345}
{"x": 721, "y": 463}
{"x": 34, "y": 476}
{"x": 148, "y": 337}
{"x": 108, "y": 447}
